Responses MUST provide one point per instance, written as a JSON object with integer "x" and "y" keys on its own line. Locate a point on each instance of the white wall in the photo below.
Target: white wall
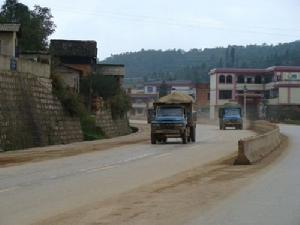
{"x": 283, "y": 95}
{"x": 295, "y": 95}
{"x": 213, "y": 82}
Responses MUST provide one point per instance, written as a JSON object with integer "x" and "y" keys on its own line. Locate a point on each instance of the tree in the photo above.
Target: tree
{"x": 37, "y": 24}
{"x": 163, "y": 89}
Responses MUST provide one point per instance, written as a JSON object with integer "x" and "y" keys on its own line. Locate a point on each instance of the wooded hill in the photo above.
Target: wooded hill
{"x": 195, "y": 64}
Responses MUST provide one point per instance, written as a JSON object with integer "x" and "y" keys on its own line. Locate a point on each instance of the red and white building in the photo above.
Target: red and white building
{"x": 265, "y": 88}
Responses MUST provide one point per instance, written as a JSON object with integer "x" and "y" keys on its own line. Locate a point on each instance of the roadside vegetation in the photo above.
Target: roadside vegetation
{"x": 36, "y": 24}
{"x": 74, "y": 106}
{"x": 108, "y": 88}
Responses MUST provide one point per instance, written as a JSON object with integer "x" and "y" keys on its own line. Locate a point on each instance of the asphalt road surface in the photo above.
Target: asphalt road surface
{"x": 32, "y": 192}
{"x": 272, "y": 198}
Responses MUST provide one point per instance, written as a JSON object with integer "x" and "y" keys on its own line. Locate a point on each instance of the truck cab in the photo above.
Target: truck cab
{"x": 172, "y": 119}
{"x": 230, "y": 115}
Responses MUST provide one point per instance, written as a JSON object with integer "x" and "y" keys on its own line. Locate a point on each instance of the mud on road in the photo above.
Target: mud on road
{"x": 173, "y": 200}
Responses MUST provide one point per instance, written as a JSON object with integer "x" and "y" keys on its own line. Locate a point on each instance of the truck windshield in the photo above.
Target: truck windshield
{"x": 164, "y": 111}
{"x": 232, "y": 112}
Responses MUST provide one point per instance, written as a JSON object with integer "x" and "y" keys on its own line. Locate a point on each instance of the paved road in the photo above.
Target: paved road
{"x": 35, "y": 191}
{"x": 272, "y": 199}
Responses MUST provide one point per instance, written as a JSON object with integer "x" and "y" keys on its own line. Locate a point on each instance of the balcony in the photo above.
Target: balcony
{"x": 250, "y": 87}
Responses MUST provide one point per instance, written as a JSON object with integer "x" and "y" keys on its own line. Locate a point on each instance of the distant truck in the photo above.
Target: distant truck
{"x": 172, "y": 116}
{"x": 230, "y": 115}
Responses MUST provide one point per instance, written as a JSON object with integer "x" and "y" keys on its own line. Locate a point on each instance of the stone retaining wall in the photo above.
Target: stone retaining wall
{"x": 254, "y": 149}
{"x": 112, "y": 127}
{"x": 31, "y": 116}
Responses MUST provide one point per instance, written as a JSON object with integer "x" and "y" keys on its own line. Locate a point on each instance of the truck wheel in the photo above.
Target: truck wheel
{"x": 153, "y": 139}
{"x": 184, "y": 137}
{"x": 193, "y": 134}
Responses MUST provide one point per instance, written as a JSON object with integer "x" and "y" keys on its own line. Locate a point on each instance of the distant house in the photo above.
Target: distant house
{"x": 80, "y": 55}
{"x": 141, "y": 102}
{"x": 11, "y": 60}
{"x": 73, "y": 59}
{"x": 9, "y": 39}
{"x": 76, "y": 59}
{"x": 183, "y": 86}
{"x": 270, "y": 90}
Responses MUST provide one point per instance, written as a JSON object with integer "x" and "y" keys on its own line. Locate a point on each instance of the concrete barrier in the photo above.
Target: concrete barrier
{"x": 254, "y": 149}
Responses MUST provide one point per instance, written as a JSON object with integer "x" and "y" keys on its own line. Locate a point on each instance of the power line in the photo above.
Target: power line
{"x": 191, "y": 24}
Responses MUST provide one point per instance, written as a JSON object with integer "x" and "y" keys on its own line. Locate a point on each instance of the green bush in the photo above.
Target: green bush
{"x": 73, "y": 106}
{"x": 120, "y": 105}
{"x": 108, "y": 88}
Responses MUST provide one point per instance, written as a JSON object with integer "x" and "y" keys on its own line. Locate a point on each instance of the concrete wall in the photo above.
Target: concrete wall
{"x": 26, "y": 66}
{"x": 111, "y": 70}
{"x": 112, "y": 128}
{"x": 254, "y": 149}
{"x": 70, "y": 77}
{"x": 8, "y": 41}
{"x": 4, "y": 63}
{"x": 31, "y": 116}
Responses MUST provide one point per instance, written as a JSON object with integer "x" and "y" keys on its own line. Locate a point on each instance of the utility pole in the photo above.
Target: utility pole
{"x": 245, "y": 104}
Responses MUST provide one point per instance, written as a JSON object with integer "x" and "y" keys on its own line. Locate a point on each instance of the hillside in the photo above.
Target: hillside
{"x": 195, "y": 64}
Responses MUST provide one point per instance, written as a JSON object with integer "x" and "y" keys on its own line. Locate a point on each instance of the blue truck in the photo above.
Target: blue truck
{"x": 172, "y": 116}
{"x": 230, "y": 115}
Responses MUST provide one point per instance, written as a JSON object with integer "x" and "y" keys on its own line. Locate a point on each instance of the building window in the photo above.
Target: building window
{"x": 229, "y": 79}
{"x": 208, "y": 96}
{"x": 258, "y": 80}
{"x": 139, "y": 110}
{"x": 225, "y": 94}
{"x": 0, "y": 47}
{"x": 268, "y": 79}
{"x": 149, "y": 89}
{"x": 241, "y": 80}
{"x": 222, "y": 79}
{"x": 293, "y": 77}
{"x": 249, "y": 80}
{"x": 274, "y": 93}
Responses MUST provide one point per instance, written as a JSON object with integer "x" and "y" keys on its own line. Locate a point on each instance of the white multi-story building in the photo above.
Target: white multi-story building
{"x": 270, "y": 88}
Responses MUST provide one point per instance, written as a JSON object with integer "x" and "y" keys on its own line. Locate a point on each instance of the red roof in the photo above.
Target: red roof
{"x": 238, "y": 70}
{"x": 284, "y": 68}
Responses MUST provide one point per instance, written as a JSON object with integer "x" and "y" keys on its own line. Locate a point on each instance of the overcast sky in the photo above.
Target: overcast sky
{"x": 130, "y": 25}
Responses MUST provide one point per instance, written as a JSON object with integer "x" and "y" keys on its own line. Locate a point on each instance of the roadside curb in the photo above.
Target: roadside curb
{"x": 12, "y": 158}
{"x": 254, "y": 149}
